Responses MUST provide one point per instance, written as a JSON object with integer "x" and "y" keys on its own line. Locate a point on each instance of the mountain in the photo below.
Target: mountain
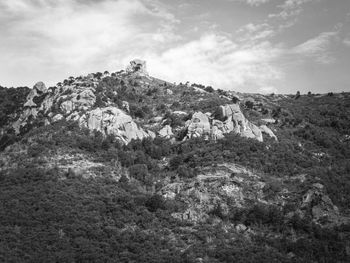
{"x": 124, "y": 167}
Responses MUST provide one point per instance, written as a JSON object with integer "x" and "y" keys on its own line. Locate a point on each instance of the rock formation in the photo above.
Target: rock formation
{"x": 111, "y": 120}
{"x": 76, "y": 103}
{"x": 137, "y": 66}
{"x": 198, "y": 126}
{"x": 30, "y": 107}
{"x": 319, "y": 206}
{"x": 232, "y": 120}
{"x": 268, "y": 131}
{"x": 166, "y": 132}
{"x": 76, "y": 100}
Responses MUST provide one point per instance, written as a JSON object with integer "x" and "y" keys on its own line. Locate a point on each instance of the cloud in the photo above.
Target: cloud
{"x": 218, "y": 61}
{"x": 290, "y": 10}
{"x": 317, "y": 48}
{"x": 42, "y": 37}
{"x": 255, "y": 32}
{"x": 346, "y": 42}
{"x": 254, "y": 2}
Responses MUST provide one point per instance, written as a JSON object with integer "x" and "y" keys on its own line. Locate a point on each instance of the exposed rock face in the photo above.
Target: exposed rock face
{"x": 198, "y": 126}
{"x": 30, "y": 107}
{"x": 268, "y": 131}
{"x": 234, "y": 121}
{"x": 318, "y": 204}
{"x": 269, "y": 120}
{"x": 126, "y": 106}
{"x": 78, "y": 100}
{"x": 40, "y": 87}
{"x": 75, "y": 102}
{"x": 215, "y": 189}
{"x": 166, "y": 132}
{"x": 137, "y": 66}
{"x": 111, "y": 120}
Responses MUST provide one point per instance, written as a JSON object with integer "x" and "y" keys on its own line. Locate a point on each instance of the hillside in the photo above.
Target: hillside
{"x": 124, "y": 167}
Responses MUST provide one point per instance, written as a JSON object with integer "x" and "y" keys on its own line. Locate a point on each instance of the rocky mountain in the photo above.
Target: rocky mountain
{"x": 124, "y": 167}
{"x": 76, "y": 99}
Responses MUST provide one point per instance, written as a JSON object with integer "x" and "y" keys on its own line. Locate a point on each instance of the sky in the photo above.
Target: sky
{"x": 256, "y": 46}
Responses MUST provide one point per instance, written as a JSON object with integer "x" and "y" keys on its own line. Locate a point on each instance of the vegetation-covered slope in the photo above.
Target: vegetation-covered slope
{"x": 71, "y": 195}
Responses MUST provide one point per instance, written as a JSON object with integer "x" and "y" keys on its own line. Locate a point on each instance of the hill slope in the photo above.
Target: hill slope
{"x": 124, "y": 167}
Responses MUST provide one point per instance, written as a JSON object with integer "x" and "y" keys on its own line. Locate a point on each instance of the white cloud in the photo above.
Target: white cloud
{"x": 318, "y": 48}
{"x": 290, "y": 10}
{"x": 218, "y": 61}
{"x": 346, "y": 42}
{"x": 254, "y": 2}
{"x": 40, "y": 38}
{"x": 255, "y": 32}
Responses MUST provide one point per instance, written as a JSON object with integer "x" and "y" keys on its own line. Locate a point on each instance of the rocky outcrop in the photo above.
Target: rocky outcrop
{"x": 215, "y": 189}
{"x": 166, "y": 132}
{"x": 76, "y": 102}
{"x": 138, "y": 67}
{"x": 268, "y": 131}
{"x": 231, "y": 120}
{"x": 317, "y": 204}
{"x": 111, "y": 120}
{"x": 198, "y": 126}
{"x": 236, "y": 122}
{"x": 30, "y": 107}
{"x": 79, "y": 100}
{"x": 40, "y": 87}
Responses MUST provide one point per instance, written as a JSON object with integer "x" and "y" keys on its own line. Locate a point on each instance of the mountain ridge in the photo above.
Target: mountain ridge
{"x": 122, "y": 167}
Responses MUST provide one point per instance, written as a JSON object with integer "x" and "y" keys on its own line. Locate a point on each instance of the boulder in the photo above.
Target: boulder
{"x": 198, "y": 126}
{"x": 268, "y": 131}
{"x": 111, "y": 120}
{"x": 169, "y": 92}
{"x": 166, "y": 132}
{"x": 179, "y": 113}
{"x": 126, "y": 106}
{"x": 40, "y": 87}
{"x": 234, "y": 121}
{"x": 241, "y": 228}
{"x": 57, "y": 117}
{"x": 268, "y": 120}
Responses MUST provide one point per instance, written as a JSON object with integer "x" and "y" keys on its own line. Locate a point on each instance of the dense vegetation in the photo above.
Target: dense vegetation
{"x": 49, "y": 214}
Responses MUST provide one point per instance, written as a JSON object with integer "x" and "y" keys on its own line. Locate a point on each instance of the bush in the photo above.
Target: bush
{"x": 139, "y": 172}
{"x": 36, "y": 150}
{"x": 155, "y": 202}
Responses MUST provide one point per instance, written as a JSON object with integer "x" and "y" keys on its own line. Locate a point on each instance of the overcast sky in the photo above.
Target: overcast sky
{"x": 260, "y": 46}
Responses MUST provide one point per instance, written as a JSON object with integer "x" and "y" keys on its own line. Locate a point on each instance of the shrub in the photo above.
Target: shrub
{"x": 138, "y": 171}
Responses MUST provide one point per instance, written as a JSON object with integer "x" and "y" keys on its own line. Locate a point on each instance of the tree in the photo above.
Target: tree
{"x": 249, "y": 104}
{"x": 209, "y": 89}
{"x": 155, "y": 202}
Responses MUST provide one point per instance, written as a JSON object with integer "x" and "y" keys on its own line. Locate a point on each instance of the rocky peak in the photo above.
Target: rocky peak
{"x": 40, "y": 87}
{"x": 137, "y": 66}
